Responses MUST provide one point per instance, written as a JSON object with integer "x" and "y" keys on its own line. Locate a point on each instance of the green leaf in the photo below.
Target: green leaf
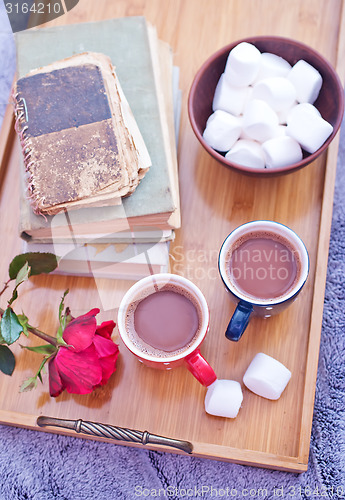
{"x": 29, "y": 384}
{"x": 23, "y": 274}
{"x": 63, "y": 319}
{"x": 7, "y": 360}
{"x": 24, "y": 321}
{"x": 14, "y": 296}
{"x": 10, "y": 326}
{"x": 61, "y": 342}
{"x": 38, "y": 261}
{"x": 46, "y": 350}
{"x": 42, "y": 369}
{"x": 62, "y": 304}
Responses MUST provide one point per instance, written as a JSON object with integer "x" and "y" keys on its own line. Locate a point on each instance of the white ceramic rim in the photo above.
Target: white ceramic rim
{"x": 275, "y": 227}
{"x": 161, "y": 279}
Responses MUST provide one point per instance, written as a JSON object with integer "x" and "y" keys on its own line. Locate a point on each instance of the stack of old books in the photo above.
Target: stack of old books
{"x": 97, "y": 115}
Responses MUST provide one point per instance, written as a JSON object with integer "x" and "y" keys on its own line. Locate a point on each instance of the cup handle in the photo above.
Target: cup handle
{"x": 239, "y": 321}
{"x": 199, "y": 367}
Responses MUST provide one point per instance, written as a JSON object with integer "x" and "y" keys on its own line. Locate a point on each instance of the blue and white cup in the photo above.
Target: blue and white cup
{"x": 237, "y": 275}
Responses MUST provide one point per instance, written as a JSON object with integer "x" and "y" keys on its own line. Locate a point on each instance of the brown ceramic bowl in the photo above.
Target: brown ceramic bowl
{"x": 330, "y": 101}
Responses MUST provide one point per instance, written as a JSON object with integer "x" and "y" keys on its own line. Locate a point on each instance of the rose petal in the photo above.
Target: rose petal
{"x": 80, "y": 331}
{"x": 106, "y": 329}
{"x": 107, "y": 352}
{"x": 55, "y": 384}
{"x": 104, "y": 347}
{"x": 108, "y": 365}
{"x": 80, "y": 372}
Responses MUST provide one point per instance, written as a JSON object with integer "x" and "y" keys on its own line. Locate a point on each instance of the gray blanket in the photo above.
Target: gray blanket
{"x": 39, "y": 466}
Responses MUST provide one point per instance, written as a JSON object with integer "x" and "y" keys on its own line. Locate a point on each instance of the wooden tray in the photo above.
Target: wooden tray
{"x": 274, "y": 434}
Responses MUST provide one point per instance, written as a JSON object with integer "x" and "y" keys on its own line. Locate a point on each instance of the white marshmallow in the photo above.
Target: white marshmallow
{"x": 307, "y": 81}
{"x": 282, "y": 115}
{"x": 306, "y": 106}
{"x": 243, "y": 64}
{"x": 222, "y": 130}
{"x": 249, "y": 96}
{"x": 309, "y": 129}
{"x": 259, "y": 120}
{"x": 272, "y": 65}
{"x": 282, "y": 151}
{"x": 247, "y": 153}
{"x": 266, "y": 376}
{"x": 277, "y": 91}
{"x": 280, "y": 131}
{"x": 243, "y": 134}
{"x": 224, "y": 398}
{"x": 229, "y": 98}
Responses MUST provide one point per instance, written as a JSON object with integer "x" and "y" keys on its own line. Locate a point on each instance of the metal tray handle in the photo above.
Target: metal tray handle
{"x": 116, "y": 433}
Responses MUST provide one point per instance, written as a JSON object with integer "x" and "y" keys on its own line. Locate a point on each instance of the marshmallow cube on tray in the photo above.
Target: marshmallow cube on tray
{"x": 266, "y": 377}
{"x": 224, "y": 398}
{"x": 265, "y": 100}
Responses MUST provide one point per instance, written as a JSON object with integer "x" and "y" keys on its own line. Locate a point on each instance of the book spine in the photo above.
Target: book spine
{"x": 21, "y": 126}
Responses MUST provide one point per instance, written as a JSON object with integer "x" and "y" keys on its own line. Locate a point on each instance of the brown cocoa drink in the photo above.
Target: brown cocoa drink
{"x": 263, "y": 265}
{"x": 164, "y": 322}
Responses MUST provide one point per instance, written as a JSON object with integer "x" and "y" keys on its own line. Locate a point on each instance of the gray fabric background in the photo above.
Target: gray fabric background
{"x": 39, "y": 466}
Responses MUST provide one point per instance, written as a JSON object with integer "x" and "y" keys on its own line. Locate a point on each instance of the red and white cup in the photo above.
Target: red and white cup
{"x": 191, "y": 356}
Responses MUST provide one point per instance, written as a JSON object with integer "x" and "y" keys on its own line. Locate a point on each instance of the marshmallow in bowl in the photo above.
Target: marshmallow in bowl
{"x": 306, "y": 106}
{"x": 307, "y": 81}
{"x": 280, "y": 131}
{"x": 224, "y": 398}
{"x": 266, "y": 95}
{"x": 243, "y": 64}
{"x": 281, "y": 151}
{"x": 229, "y": 98}
{"x": 309, "y": 129}
{"x": 282, "y": 115}
{"x": 272, "y": 65}
{"x": 259, "y": 120}
{"x": 266, "y": 377}
{"x": 277, "y": 91}
{"x": 248, "y": 153}
{"x": 222, "y": 130}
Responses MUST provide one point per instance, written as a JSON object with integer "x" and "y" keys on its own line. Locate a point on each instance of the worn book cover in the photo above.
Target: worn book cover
{"x": 77, "y": 144}
{"x": 129, "y": 44}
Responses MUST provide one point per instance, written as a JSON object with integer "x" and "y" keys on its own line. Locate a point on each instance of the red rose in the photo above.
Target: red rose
{"x": 89, "y": 359}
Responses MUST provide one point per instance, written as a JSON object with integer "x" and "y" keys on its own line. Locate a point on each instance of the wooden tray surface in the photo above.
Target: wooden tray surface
{"x": 274, "y": 434}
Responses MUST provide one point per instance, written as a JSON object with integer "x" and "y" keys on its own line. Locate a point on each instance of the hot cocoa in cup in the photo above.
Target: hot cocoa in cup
{"x": 162, "y": 320}
{"x": 264, "y": 265}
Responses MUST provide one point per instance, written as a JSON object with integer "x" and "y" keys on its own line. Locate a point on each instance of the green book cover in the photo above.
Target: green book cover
{"x": 126, "y": 42}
